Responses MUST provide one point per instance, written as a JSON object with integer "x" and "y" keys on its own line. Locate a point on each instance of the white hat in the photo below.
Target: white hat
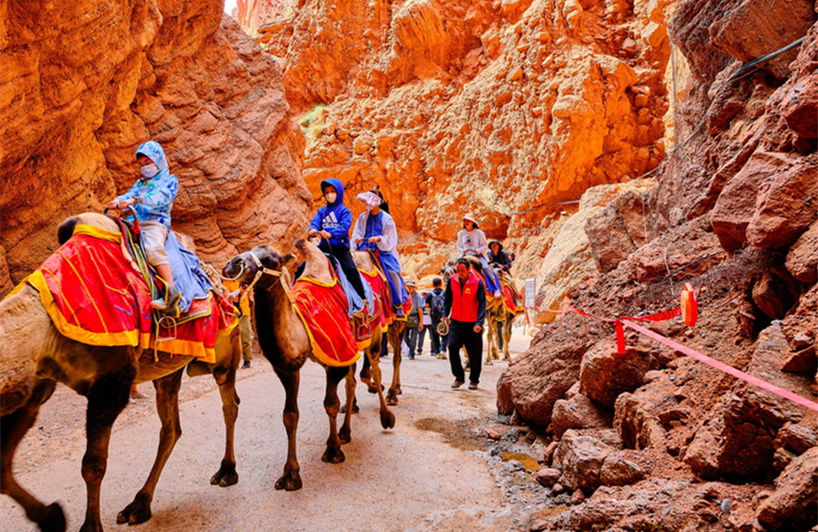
{"x": 470, "y": 217}
{"x": 370, "y": 199}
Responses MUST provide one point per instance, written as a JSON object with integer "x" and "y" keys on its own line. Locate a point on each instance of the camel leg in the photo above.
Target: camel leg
{"x": 395, "y": 338}
{"x": 291, "y": 479}
{"x": 491, "y": 352}
{"x": 374, "y": 355}
{"x": 167, "y": 406}
{"x": 507, "y": 325}
{"x": 332, "y": 405}
{"x": 226, "y": 379}
{"x": 107, "y": 398}
{"x": 349, "y": 408}
{"x": 13, "y": 427}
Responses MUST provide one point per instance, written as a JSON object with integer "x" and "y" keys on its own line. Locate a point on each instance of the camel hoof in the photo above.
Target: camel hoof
{"x": 289, "y": 482}
{"x": 489, "y": 363}
{"x": 371, "y": 388}
{"x": 355, "y": 408}
{"x": 225, "y": 476}
{"x": 52, "y": 519}
{"x": 333, "y": 456}
{"x": 387, "y": 419}
{"x": 391, "y": 397}
{"x": 398, "y": 391}
{"x": 345, "y": 435}
{"x": 137, "y": 512}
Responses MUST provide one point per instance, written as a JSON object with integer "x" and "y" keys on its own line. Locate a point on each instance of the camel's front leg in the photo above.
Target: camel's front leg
{"x": 332, "y": 405}
{"x": 167, "y": 406}
{"x": 107, "y": 398}
{"x": 507, "y": 336}
{"x": 291, "y": 479}
{"x": 226, "y": 379}
{"x": 346, "y": 429}
{"x": 12, "y": 429}
{"x": 395, "y": 338}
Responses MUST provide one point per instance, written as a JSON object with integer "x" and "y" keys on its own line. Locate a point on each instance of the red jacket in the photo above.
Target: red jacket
{"x": 466, "y": 303}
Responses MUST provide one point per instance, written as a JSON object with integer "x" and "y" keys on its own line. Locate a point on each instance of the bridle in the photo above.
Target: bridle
{"x": 260, "y": 271}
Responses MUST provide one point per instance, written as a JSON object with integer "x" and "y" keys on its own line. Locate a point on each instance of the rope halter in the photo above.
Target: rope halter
{"x": 261, "y": 270}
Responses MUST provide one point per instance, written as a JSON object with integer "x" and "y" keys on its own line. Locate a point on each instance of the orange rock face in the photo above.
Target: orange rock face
{"x": 491, "y": 107}
{"x": 84, "y": 83}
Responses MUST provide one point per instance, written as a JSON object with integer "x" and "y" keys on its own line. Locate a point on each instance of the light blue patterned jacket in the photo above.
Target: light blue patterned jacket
{"x": 154, "y": 195}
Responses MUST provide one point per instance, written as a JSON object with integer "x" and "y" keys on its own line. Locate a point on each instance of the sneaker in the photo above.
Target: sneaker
{"x": 472, "y": 386}
{"x": 169, "y": 305}
{"x": 441, "y": 356}
{"x": 246, "y": 364}
{"x": 411, "y": 357}
{"x": 457, "y": 384}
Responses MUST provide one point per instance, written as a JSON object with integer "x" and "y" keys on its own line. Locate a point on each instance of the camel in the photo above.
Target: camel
{"x": 500, "y": 320}
{"x": 285, "y": 342}
{"x": 34, "y": 357}
{"x": 394, "y": 338}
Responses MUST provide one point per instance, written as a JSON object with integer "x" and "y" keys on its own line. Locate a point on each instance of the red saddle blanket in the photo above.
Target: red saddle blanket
{"x": 323, "y": 310}
{"x": 94, "y": 295}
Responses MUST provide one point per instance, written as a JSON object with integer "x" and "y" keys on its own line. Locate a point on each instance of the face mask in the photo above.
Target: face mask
{"x": 331, "y": 197}
{"x": 149, "y": 170}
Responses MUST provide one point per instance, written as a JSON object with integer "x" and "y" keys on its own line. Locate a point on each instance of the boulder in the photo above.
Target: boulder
{"x": 547, "y": 476}
{"x": 747, "y": 33}
{"x": 605, "y": 374}
{"x": 617, "y": 231}
{"x": 625, "y": 467}
{"x": 580, "y": 457}
{"x": 792, "y": 505}
{"x": 753, "y": 416}
{"x": 799, "y": 107}
{"x": 802, "y": 258}
{"x": 578, "y": 412}
{"x": 787, "y": 208}
{"x": 735, "y": 207}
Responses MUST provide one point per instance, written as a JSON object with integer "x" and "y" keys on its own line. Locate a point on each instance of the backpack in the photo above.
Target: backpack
{"x": 438, "y": 304}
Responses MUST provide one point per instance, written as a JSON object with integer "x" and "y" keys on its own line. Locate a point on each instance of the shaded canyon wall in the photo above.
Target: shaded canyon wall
{"x": 84, "y": 83}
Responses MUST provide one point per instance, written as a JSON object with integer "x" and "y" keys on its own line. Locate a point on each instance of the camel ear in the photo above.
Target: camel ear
{"x": 287, "y": 259}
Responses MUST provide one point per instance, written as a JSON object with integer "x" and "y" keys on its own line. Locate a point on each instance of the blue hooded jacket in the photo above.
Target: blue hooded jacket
{"x": 334, "y": 218}
{"x": 155, "y": 194}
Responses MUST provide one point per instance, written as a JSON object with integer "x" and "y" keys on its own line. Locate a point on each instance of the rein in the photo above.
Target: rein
{"x": 261, "y": 271}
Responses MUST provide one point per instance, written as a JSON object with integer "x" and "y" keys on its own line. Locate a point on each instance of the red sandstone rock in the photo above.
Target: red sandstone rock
{"x": 792, "y": 504}
{"x": 580, "y": 457}
{"x": 79, "y": 96}
{"x": 802, "y": 259}
{"x": 578, "y": 412}
{"x": 604, "y": 374}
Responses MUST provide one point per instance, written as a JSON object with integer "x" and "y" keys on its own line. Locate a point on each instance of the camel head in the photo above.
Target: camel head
{"x": 66, "y": 229}
{"x": 245, "y": 266}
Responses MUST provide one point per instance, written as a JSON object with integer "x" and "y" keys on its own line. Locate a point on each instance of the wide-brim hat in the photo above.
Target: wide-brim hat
{"x": 411, "y": 283}
{"x": 495, "y": 241}
{"x": 470, "y": 217}
{"x": 442, "y": 328}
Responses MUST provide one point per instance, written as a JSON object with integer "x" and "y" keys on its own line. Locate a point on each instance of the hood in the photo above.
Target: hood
{"x": 339, "y": 187}
{"x": 495, "y": 241}
{"x": 153, "y": 151}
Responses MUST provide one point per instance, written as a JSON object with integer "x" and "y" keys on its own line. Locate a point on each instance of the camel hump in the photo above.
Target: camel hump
{"x": 66, "y": 229}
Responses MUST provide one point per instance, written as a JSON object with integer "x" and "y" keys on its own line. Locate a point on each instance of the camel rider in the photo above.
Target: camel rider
{"x": 375, "y": 230}
{"x": 472, "y": 241}
{"x": 332, "y": 222}
{"x": 152, "y": 199}
{"x": 498, "y": 256}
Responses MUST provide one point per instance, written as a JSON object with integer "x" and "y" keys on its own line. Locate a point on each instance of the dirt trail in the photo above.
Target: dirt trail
{"x": 432, "y": 472}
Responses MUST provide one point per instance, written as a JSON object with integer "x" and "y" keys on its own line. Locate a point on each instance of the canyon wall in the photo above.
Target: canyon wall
{"x": 509, "y": 110}
{"x": 84, "y": 83}
{"x": 650, "y": 439}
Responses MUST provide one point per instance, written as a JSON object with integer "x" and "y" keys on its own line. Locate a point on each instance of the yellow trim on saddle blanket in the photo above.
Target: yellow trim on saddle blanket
{"x": 98, "y": 232}
{"x": 319, "y": 353}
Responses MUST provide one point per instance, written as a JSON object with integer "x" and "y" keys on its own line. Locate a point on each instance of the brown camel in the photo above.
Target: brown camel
{"x": 500, "y": 320}
{"x": 34, "y": 357}
{"x": 286, "y": 344}
{"x": 394, "y": 338}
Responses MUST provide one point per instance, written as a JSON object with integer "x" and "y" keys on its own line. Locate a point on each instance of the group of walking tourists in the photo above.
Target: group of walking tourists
{"x": 453, "y": 315}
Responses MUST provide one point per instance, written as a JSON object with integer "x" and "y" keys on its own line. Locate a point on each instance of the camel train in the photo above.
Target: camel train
{"x": 35, "y": 356}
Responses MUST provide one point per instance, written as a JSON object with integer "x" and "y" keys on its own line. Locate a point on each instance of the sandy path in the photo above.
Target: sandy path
{"x": 429, "y": 473}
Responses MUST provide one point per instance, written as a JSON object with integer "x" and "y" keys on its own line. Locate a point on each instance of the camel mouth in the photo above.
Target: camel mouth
{"x": 300, "y": 244}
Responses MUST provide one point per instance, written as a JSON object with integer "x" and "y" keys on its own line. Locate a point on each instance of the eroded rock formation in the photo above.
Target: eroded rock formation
{"x": 733, "y": 213}
{"x": 84, "y": 83}
{"x": 490, "y": 107}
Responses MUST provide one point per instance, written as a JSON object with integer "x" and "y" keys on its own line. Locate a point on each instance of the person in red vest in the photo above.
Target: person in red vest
{"x": 465, "y": 312}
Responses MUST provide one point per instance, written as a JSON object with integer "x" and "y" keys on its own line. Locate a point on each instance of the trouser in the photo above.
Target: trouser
{"x": 412, "y": 339}
{"x": 423, "y": 335}
{"x": 246, "y": 334}
{"x": 344, "y": 258}
{"x": 461, "y": 334}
